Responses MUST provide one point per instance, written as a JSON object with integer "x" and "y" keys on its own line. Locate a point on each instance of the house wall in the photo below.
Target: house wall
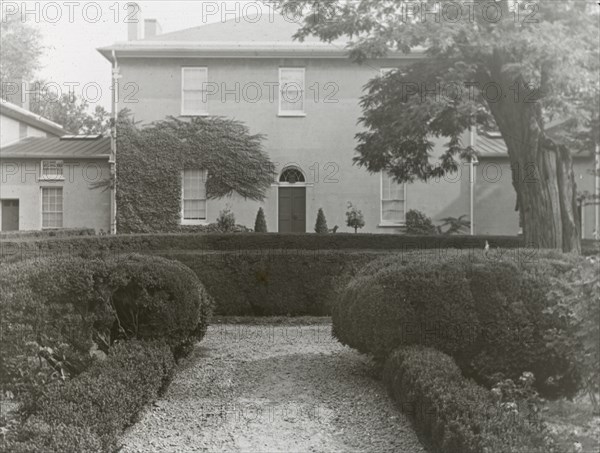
{"x": 12, "y": 130}
{"x": 82, "y": 206}
{"x": 321, "y": 143}
{"x": 495, "y": 197}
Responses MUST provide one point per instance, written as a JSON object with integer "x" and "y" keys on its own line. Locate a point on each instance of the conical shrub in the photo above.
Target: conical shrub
{"x": 260, "y": 224}
{"x": 321, "y": 225}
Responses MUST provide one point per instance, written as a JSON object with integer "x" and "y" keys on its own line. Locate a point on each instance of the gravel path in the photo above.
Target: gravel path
{"x": 271, "y": 388}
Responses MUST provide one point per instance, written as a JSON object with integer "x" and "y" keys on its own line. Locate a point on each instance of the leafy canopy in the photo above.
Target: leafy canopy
{"x": 542, "y": 52}
{"x": 20, "y": 48}
{"x": 68, "y": 110}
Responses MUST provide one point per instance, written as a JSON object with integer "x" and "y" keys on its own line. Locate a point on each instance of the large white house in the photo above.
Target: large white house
{"x": 304, "y": 96}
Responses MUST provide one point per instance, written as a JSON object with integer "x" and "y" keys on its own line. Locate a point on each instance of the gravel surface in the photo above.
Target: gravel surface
{"x": 270, "y": 388}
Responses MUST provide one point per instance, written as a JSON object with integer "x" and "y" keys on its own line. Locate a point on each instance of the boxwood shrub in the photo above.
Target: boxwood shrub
{"x": 455, "y": 414}
{"x": 488, "y": 313}
{"x": 67, "y": 310}
{"x": 87, "y": 413}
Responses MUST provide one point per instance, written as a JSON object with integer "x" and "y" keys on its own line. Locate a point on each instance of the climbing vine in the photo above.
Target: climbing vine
{"x": 150, "y": 161}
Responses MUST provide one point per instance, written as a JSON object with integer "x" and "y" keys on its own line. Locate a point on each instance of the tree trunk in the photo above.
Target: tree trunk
{"x": 542, "y": 175}
{"x": 567, "y": 188}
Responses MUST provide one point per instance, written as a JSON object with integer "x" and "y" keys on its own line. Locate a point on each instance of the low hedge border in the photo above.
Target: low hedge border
{"x": 17, "y": 249}
{"x": 88, "y": 413}
{"x": 455, "y": 414}
{"x": 14, "y": 250}
{"x": 53, "y": 233}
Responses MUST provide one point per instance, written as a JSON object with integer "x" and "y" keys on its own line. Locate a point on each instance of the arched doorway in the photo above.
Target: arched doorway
{"x": 292, "y": 201}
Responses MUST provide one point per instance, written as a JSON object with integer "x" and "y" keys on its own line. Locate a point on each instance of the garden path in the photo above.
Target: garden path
{"x": 270, "y": 388}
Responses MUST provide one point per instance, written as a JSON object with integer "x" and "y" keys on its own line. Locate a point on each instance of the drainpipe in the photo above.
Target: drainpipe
{"x": 472, "y": 175}
{"x": 113, "y": 145}
{"x": 597, "y": 200}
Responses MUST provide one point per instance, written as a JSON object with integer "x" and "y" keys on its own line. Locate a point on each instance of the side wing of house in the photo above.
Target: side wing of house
{"x": 47, "y": 182}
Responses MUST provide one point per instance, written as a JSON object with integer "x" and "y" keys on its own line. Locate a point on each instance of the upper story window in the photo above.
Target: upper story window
{"x": 193, "y": 91}
{"x": 392, "y": 201}
{"x": 52, "y": 170}
{"x": 52, "y": 207}
{"x": 193, "y": 196}
{"x": 291, "y": 91}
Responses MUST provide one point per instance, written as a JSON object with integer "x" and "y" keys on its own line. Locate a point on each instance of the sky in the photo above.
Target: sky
{"x": 73, "y": 30}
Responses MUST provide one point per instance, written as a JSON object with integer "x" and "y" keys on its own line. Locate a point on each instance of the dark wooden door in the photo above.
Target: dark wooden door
{"x": 292, "y": 209}
{"x": 10, "y": 215}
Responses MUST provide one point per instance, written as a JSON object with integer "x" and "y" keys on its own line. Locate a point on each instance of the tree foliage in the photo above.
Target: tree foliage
{"x": 68, "y": 110}
{"x": 150, "y": 161}
{"x": 517, "y": 66}
{"x": 20, "y": 49}
{"x": 354, "y": 217}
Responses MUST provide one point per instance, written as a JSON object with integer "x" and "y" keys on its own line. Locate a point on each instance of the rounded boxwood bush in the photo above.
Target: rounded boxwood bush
{"x": 157, "y": 298}
{"x": 68, "y": 310}
{"x": 488, "y": 314}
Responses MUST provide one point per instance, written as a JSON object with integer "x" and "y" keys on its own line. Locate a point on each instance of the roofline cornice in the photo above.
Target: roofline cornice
{"x": 52, "y": 156}
{"x": 228, "y": 50}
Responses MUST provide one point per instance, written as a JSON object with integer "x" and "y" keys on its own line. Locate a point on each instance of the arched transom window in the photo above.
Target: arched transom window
{"x": 291, "y": 175}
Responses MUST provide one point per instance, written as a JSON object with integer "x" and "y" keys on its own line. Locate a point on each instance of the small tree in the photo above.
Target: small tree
{"x": 354, "y": 217}
{"x": 321, "y": 225}
{"x": 226, "y": 220}
{"x": 260, "y": 224}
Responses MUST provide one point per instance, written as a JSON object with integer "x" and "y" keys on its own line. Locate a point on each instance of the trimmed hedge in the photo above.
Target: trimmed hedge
{"x": 488, "y": 313}
{"x": 68, "y": 310}
{"x": 454, "y": 413}
{"x": 88, "y": 413}
{"x": 59, "y": 232}
{"x": 293, "y": 282}
{"x": 15, "y": 250}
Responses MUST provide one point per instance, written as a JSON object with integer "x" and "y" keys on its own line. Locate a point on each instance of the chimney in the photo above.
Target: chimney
{"x": 135, "y": 24}
{"x": 151, "y": 28}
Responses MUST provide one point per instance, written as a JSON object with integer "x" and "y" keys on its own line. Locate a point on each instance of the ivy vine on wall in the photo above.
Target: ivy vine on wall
{"x": 150, "y": 161}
